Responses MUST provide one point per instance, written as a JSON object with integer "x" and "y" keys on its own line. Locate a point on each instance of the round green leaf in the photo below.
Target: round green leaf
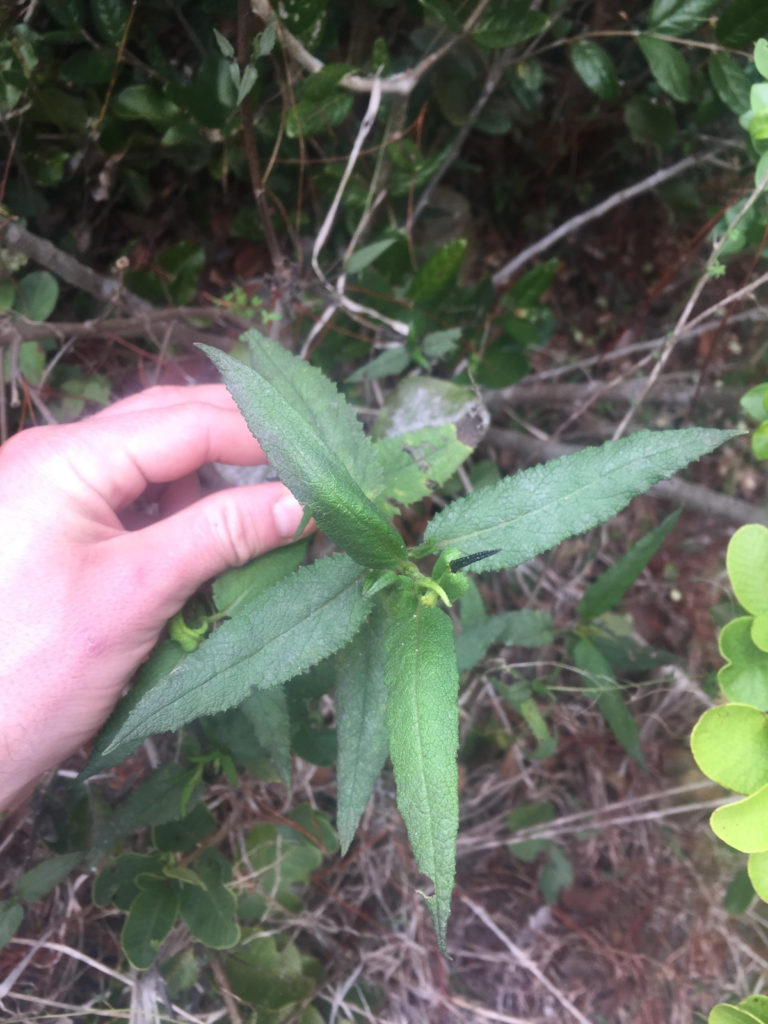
{"x": 668, "y": 67}
{"x": 744, "y": 824}
{"x": 757, "y": 867}
{"x": 753, "y": 402}
{"x": 745, "y": 678}
{"x": 759, "y": 440}
{"x": 596, "y": 69}
{"x": 759, "y": 632}
{"x": 730, "y": 745}
{"x": 756, "y": 1005}
{"x": 761, "y": 57}
{"x": 730, "y": 81}
{"x": 37, "y": 295}
{"x": 149, "y": 921}
{"x": 724, "y": 1013}
{"x": 747, "y": 563}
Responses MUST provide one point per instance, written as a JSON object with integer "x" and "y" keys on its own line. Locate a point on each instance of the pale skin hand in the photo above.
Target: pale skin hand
{"x": 83, "y": 599}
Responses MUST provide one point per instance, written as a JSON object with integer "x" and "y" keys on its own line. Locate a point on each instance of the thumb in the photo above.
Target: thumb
{"x": 219, "y": 532}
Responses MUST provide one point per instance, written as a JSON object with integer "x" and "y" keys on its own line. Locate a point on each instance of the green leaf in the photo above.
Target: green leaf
{"x": 741, "y": 24}
{"x": 744, "y": 678}
{"x": 320, "y": 85}
{"x": 679, "y": 17}
{"x": 649, "y": 122}
{"x": 756, "y": 1005}
{"x": 11, "y": 916}
{"x": 423, "y": 724}
{"x": 747, "y": 563}
{"x": 308, "y": 117}
{"x": 307, "y": 463}
{"x": 153, "y": 802}
{"x": 761, "y": 56}
{"x": 556, "y": 875}
{"x": 599, "y": 683}
{"x": 389, "y": 363}
{"x": 508, "y": 24}
{"x": 730, "y": 81}
{"x": 247, "y": 581}
{"x": 730, "y": 745}
{"x": 110, "y": 18}
{"x": 437, "y": 344}
{"x": 144, "y": 103}
{"x": 67, "y": 13}
{"x": 744, "y": 824}
{"x": 149, "y": 922}
{"x": 116, "y": 882}
{"x": 362, "y": 258}
{"x": 724, "y": 1013}
{"x": 759, "y": 440}
{"x": 89, "y": 67}
{"x": 267, "y": 978}
{"x": 36, "y": 295}
{"x": 753, "y": 402}
{"x": 361, "y": 722}
{"x": 39, "y": 880}
{"x": 184, "y": 834}
{"x": 532, "y": 511}
{"x": 609, "y": 588}
{"x": 267, "y": 711}
{"x": 596, "y": 69}
{"x": 739, "y": 893}
{"x": 415, "y": 463}
{"x": 668, "y": 67}
{"x": 527, "y": 291}
{"x": 209, "y": 912}
{"x": 280, "y": 633}
{"x": 434, "y": 276}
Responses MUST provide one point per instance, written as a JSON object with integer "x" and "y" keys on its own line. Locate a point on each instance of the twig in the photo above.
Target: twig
{"x": 16, "y": 238}
{"x": 685, "y": 317}
{"x": 692, "y": 495}
{"x": 669, "y": 390}
{"x": 502, "y": 276}
{"x": 249, "y": 143}
{"x": 525, "y": 961}
{"x": 498, "y": 66}
{"x": 403, "y": 83}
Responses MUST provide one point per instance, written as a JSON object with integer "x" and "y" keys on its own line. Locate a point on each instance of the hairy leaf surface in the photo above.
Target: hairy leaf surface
{"x": 423, "y": 723}
{"x": 287, "y": 629}
{"x": 532, "y": 511}
{"x": 420, "y": 460}
{"x": 361, "y": 724}
{"x": 310, "y": 466}
{"x": 320, "y": 402}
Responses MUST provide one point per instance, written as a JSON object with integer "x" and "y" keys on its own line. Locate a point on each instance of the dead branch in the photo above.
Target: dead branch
{"x": 568, "y": 227}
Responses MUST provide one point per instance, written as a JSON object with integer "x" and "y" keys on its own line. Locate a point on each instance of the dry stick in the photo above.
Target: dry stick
{"x": 685, "y": 316}
{"x": 503, "y": 275}
{"x": 249, "y": 144}
{"x": 693, "y": 495}
{"x": 668, "y": 390}
{"x": 403, "y": 83}
{"x": 525, "y": 961}
{"x": 498, "y": 66}
{"x": 16, "y": 238}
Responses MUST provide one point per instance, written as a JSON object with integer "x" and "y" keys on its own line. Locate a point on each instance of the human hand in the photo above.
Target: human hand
{"x": 83, "y": 598}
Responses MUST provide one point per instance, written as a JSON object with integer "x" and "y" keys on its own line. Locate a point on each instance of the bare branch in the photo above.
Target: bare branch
{"x": 403, "y": 83}
{"x": 502, "y": 276}
{"x": 16, "y": 238}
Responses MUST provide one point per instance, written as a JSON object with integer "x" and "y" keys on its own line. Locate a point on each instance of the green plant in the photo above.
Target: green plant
{"x": 397, "y": 678}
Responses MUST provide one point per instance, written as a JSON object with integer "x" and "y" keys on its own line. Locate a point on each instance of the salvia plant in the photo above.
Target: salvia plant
{"x": 381, "y": 609}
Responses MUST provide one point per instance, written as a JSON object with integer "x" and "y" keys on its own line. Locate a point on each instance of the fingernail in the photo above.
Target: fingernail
{"x": 287, "y": 514}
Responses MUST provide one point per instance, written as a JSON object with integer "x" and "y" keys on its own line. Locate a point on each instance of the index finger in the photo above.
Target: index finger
{"x": 119, "y": 455}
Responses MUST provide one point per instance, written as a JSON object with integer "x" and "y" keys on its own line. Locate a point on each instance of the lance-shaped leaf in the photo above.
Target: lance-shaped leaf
{"x": 308, "y": 390}
{"x": 423, "y": 723}
{"x": 609, "y": 588}
{"x": 361, "y": 723}
{"x": 283, "y": 631}
{"x": 310, "y": 467}
{"x": 532, "y": 511}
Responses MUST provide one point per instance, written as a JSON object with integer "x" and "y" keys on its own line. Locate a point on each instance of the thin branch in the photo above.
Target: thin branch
{"x": 525, "y": 961}
{"x": 502, "y": 276}
{"x": 403, "y": 83}
{"x": 685, "y": 317}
